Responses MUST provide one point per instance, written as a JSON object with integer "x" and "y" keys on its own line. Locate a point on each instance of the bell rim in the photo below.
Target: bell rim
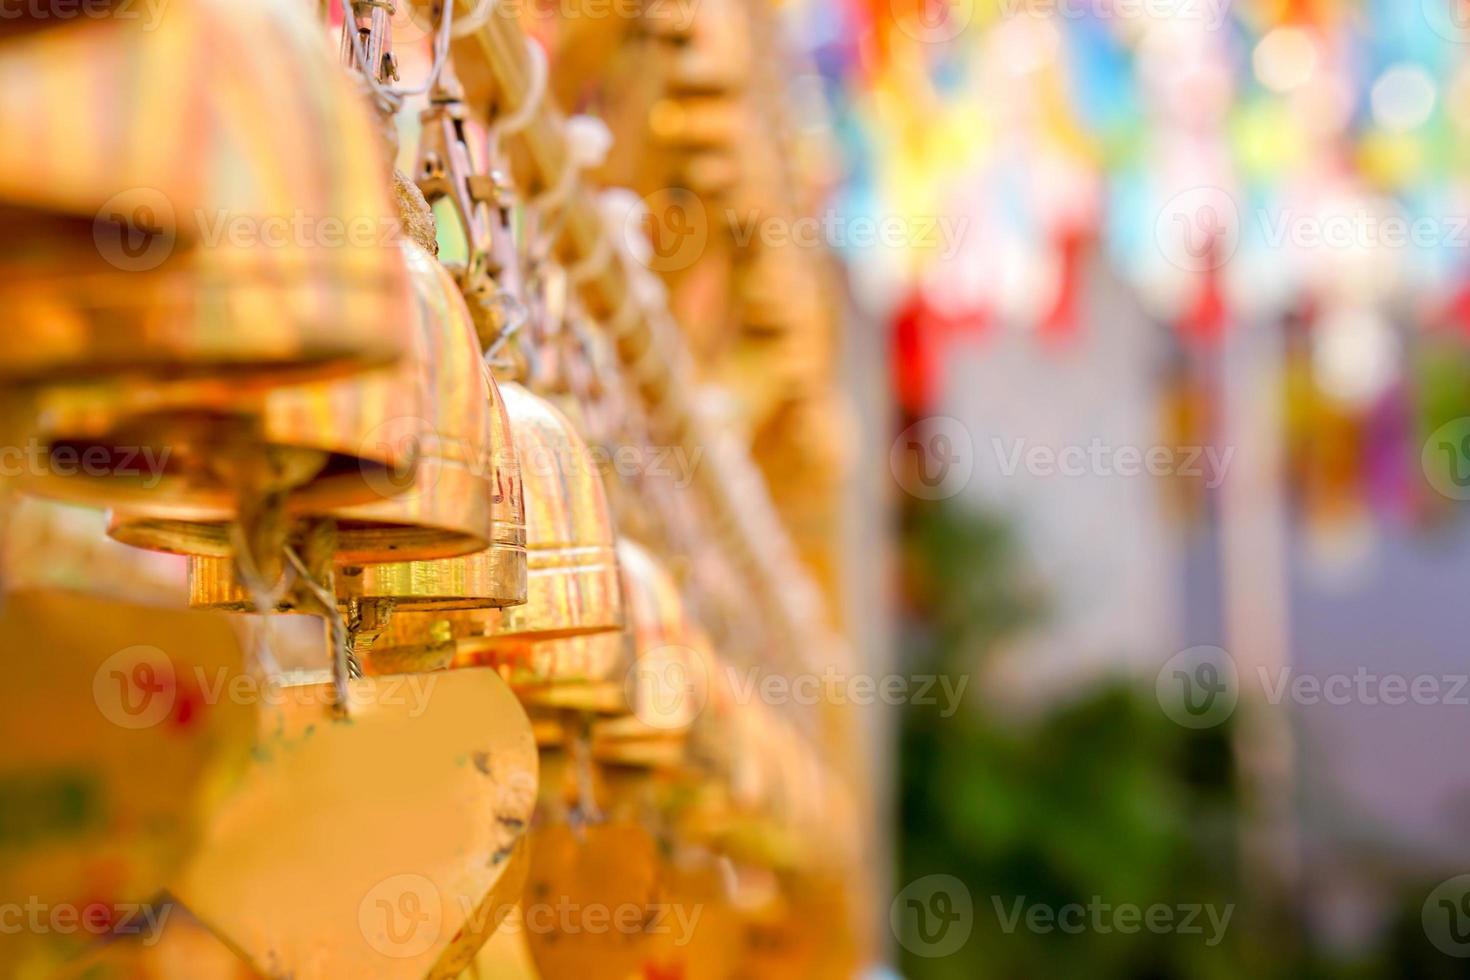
{"x": 205, "y": 532}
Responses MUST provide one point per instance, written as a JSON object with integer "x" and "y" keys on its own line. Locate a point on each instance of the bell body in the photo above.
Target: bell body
{"x": 410, "y": 472}
{"x": 572, "y": 586}
{"x": 494, "y": 577}
{"x": 667, "y": 681}
{"x": 572, "y": 583}
{"x": 199, "y": 216}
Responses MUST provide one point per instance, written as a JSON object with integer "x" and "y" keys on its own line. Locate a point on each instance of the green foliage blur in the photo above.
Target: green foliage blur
{"x": 1102, "y": 801}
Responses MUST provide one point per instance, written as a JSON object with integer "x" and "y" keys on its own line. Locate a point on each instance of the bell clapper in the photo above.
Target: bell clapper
{"x": 367, "y": 620}
{"x": 260, "y": 532}
{"x": 315, "y": 588}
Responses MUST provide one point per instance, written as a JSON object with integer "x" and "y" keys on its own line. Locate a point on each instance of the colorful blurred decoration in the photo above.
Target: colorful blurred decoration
{"x": 1233, "y": 164}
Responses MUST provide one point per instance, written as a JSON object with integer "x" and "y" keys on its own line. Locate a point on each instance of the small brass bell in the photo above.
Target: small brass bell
{"x": 667, "y": 683}
{"x": 431, "y": 410}
{"x": 572, "y": 586}
{"x": 596, "y": 673}
{"x": 121, "y": 240}
{"x": 200, "y": 224}
{"x": 384, "y": 599}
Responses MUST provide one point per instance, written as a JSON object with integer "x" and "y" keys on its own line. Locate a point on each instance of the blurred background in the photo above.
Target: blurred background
{"x": 1172, "y": 328}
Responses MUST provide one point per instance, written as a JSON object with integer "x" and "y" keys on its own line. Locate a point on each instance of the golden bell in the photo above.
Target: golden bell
{"x": 203, "y": 208}
{"x": 430, "y": 411}
{"x": 667, "y": 683}
{"x": 592, "y": 673}
{"x": 494, "y": 577}
{"x": 572, "y": 585}
{"x": 385, "y": 597}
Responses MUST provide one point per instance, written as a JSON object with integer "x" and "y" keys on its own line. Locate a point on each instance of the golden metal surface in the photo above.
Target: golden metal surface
{"x": 572, "y": 588}
{"x": 182, "y": 229}
{"x": 668, "y": 673}
{"x": 115, "y": 747}
{"x": 494, "y": 577}
{"x": 386, "y": 844}
{"x": 608, "y": 870}
{"x": 428, "y": 418}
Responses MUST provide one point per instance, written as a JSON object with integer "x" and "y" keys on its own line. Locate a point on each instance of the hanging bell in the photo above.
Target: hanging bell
{"x": 705, "y": 937}
{"x": 381, "y": 597}
{"x": 174, "y": 241}
{"x": 431, "y": 412}
{"x": 667, "y": 682}
{"x": 572, "y": 585}
{"x": 207, "y": 213}
{"x": 598, "y": 673}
